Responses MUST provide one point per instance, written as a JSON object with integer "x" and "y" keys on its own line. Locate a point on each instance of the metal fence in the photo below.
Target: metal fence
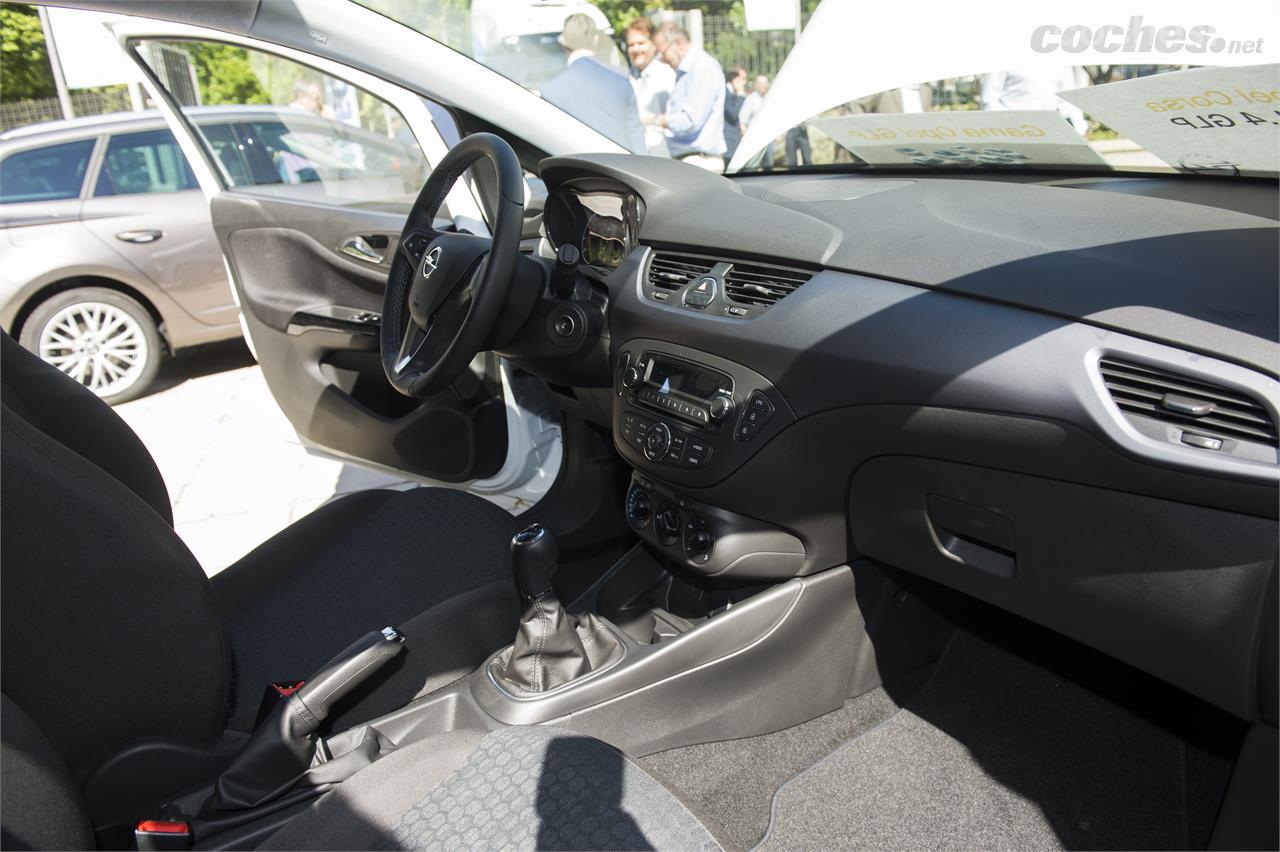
{"x": 758, "y": 52}
{"x": 83, "y": 102}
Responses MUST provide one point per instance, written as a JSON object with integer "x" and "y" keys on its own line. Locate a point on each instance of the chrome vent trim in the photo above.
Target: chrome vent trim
{"x": 1138, "y": 389}
{"x": 671, "y": 272}
{"x": 760, "y": 286}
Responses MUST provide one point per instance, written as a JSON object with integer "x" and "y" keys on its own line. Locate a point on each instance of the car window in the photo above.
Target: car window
{"x": 45, "y": 174}
{"x": 144, "y": 162}
{"x": 278, "y": 127}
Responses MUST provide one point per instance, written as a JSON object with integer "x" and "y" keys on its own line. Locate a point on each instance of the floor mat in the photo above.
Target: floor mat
{"x": 993, "y": 753}
{"x": 730, "y": 785}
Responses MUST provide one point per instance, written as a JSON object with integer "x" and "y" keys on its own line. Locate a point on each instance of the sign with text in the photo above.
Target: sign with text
{"x": 1214, "y": 120}
{"x": 961, "y": 139}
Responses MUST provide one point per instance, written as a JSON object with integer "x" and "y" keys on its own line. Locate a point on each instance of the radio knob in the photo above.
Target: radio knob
{"x": 720, "y": 407}
{"x": 631, "y": 378}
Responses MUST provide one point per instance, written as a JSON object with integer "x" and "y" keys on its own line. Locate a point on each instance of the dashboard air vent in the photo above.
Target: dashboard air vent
{"x": 761, "y": 286}
{"x": 669, "y": 272}
{"x": 1210, "y": 409}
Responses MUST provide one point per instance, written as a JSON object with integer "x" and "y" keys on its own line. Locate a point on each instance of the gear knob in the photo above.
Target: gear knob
{"x": 534, "y": 555}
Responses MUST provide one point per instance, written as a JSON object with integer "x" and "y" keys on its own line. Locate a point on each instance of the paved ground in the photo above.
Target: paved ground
{"x": 235, "y": 470}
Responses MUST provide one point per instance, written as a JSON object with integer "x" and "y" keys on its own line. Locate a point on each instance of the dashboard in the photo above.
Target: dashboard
{"x": 1056, "y": 395}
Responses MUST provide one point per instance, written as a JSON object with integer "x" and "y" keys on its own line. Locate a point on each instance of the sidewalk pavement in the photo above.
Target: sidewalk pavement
{"x": 234, "y": 467}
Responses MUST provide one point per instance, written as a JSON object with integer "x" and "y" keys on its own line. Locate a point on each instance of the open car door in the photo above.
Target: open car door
{"x": 310, "y": 167}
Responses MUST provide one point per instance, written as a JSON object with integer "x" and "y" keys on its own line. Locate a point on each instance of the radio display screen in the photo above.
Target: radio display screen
{"x": 679, "y": 377}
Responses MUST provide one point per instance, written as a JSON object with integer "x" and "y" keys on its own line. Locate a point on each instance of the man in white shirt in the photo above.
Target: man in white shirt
{"x": 652, "y": 82}
{"x": 593, "y": 93}
{"x": 694, "y": 120}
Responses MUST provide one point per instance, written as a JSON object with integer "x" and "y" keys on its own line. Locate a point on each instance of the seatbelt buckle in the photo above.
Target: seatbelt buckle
{"x": 161, "y": 834}
{"x": 274, "y": 693}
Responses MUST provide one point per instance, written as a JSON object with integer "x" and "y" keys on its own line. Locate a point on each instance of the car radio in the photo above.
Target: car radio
{"x": 682, "y": 389}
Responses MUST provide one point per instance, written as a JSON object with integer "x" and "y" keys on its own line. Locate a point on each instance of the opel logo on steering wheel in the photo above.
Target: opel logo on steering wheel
{"x": 431, "y": 262}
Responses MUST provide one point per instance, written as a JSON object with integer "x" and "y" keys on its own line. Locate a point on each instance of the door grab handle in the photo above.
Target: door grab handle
{"x": 141, "y": 237}
{"x": 359, "y": 248}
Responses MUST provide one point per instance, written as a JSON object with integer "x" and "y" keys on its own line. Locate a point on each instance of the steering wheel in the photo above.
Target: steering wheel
{"x": 446, "y": 290}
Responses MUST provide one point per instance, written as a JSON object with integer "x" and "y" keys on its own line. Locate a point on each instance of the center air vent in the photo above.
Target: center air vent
{"x": 1208, "y": 409}
{"x": 670, "y": 272}
{"x": 761, "y": 286}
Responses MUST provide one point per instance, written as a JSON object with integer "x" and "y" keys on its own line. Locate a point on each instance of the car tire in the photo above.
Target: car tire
{"x": 102, "y": 338}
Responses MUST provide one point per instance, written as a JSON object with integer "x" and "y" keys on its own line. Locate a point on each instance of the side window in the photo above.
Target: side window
{"x": 144, "y": 162}
{"x": 45, "y": 174}
{"x": 277, "y": 127}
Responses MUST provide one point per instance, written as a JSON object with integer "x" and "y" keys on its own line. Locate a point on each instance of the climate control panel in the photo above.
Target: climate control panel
{"x": 708, "y": 539}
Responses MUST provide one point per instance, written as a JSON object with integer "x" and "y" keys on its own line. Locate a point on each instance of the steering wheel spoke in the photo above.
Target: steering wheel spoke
{"x": 410, "y": 347}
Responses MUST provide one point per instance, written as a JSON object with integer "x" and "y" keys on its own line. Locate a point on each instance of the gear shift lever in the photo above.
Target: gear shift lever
{"x": 551, "y": 647}
{"x": 534, "y": 555}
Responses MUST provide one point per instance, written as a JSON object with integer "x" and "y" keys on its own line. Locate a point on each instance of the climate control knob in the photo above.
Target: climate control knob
{"x": 639, "y": 507}
{"x": 667, "y": 524}
{"x": 698, "y": 540}
{"x": 721, "y": 407}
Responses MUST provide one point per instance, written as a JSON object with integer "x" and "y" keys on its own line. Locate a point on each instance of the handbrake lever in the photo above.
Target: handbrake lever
{"x": 283, "y": 747}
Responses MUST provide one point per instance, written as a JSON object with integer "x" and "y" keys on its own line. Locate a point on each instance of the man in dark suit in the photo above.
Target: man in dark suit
{"x": 591, "y": 92}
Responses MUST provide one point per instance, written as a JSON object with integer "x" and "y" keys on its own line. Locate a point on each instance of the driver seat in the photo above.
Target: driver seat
{"x": 112, "y": 632}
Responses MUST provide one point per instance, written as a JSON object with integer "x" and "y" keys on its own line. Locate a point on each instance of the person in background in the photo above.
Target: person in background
{"x": 1033, "y": 88}
{"x": 309, "y": 96}
{"x": 750, "y": 108}
{"x": 652, "y": 81}
{"x": 694, "y": 120}
{"x": 592, "y": 93}
{"x": 734, "y": 96}
{"x": 798, "y": 146}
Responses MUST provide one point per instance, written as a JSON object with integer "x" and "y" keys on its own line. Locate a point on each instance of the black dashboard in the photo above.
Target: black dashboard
{"x": 1055, "y": 395}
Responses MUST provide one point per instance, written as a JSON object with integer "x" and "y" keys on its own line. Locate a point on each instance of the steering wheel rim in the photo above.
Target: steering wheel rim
{"x": 446, "y": 290}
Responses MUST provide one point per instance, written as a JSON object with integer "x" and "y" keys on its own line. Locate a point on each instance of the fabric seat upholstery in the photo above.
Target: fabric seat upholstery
{"x": 112, "y": 632}
{"x": 515, "y": 788}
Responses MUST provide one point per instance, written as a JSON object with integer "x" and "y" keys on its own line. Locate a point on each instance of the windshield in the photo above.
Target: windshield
{"x": 790, "y": 85}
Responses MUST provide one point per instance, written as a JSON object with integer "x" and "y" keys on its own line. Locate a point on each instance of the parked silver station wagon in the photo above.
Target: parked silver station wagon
{"x": 108, "y": 259}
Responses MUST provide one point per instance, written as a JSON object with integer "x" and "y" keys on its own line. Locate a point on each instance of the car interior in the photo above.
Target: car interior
{"x": 896, "y": 511}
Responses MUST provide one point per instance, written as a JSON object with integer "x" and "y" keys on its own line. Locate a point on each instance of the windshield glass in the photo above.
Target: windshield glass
{"x": 778, "y": 85}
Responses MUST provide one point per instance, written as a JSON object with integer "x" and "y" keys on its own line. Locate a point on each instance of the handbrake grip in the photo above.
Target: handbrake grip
{"x": 347, "y": 670}
{"x": 282, "y": 748}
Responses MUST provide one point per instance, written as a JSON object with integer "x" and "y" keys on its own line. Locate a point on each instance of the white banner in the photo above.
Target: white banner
{"x": 90, "y": 57}
{"x": 1181, "y": 117}
{"x": 772, "y": 14}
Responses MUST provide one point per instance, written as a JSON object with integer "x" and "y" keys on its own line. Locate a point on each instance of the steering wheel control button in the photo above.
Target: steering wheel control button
{"x": 756, "y": 414}
{"x": 564, "y": 326}
{"x": 721, "y": 407}
{"x": 1204, "y": 442}
{"x": 700, "y": 294}
{"x": 656, "y": 442}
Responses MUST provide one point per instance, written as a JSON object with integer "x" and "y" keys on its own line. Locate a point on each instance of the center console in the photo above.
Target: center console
{"x": 688, "y": 418}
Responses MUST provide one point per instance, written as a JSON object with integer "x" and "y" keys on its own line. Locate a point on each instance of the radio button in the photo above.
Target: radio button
{"x": 696, "y": 453}
{"x": 656, "y": 442}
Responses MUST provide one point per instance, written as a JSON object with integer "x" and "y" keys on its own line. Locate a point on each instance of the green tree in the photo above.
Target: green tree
{"x": 24, "y": 61}
{"x": 224, "y": 74}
